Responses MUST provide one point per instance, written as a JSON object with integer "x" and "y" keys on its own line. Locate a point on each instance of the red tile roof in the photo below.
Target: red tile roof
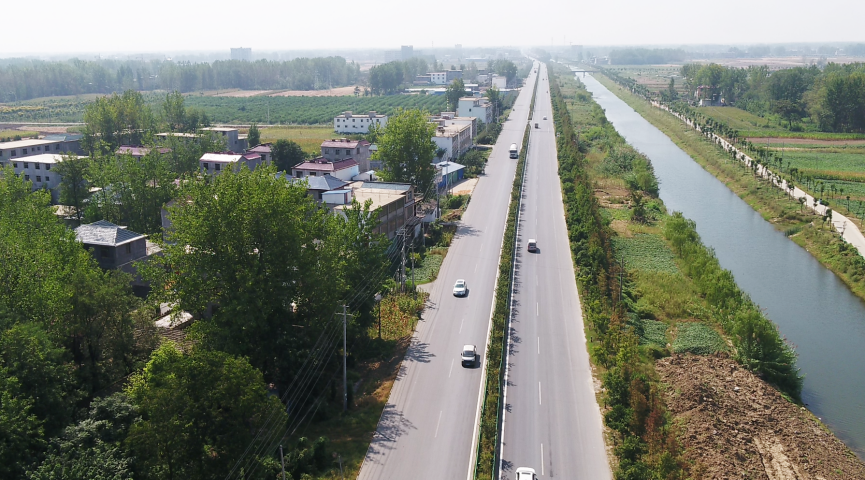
{"x": 321, "y": 164}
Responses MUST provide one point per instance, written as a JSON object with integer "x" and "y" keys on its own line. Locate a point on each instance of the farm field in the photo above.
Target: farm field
{"x": 308, "y": 137}
{"x": 11, "y": 134}
{"x": 305, "y": 110}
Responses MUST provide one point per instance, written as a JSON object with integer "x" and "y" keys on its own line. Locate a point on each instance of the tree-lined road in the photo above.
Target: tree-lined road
{"x": 428, "y": 428}
{"x": 551, "y": 421}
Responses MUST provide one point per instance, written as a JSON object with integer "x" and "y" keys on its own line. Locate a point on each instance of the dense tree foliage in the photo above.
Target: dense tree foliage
{"x": 406, "y": 150}
{"x": 387, "y": 78}
{"x": 833, "y": 98}
{"x": 286, "y": 154}
{"x": 646, "y": 56}
{"x": 28, "y": 79}
{"x": 117, "y": 120}
{"x": 455, "y": 91}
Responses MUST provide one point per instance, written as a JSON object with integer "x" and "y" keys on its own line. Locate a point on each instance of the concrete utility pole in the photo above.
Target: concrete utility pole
{"x": 401, "y": 232}
{"x": 344, "y": 356}
{"x": 282, "y": 460}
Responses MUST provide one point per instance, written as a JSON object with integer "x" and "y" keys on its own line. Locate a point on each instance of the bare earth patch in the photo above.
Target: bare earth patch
{"x": 333, "y": 92}
{"x": 242, "y": 93}
{"x": 802, "y": 141}
{"x": 734, "y": 425}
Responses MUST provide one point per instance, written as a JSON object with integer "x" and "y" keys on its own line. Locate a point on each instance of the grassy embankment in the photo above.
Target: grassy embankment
{"x": 649, "y": 288}
{"x": 10, "y": 135}
{"x": 803, "y": 226}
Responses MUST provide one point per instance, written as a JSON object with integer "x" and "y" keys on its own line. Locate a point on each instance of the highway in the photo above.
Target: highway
{"x": 429, "y": 426}
{"x": 551, "y": 420}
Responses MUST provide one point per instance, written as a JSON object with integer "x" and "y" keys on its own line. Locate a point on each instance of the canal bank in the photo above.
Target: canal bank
{"x": 811, "y": 306}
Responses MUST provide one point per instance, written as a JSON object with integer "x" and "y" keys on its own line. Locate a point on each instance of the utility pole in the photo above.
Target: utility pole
{"x": 282, "y": 460}
{"x": 344, "y": 356}
{"x": 401, "y": 232}
{"x": 413, "y": 285}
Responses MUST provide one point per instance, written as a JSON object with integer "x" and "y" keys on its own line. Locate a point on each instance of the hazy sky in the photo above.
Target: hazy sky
{"x": 105, "y": 26}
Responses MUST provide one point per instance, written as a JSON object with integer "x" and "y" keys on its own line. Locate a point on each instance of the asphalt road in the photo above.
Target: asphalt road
{"x": 552, "y": 422}
{"x": 428, "y": 428}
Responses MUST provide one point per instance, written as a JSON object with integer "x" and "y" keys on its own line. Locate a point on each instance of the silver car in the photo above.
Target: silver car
{"x": 460, "y": 288}
{"x": 468, "y": 355}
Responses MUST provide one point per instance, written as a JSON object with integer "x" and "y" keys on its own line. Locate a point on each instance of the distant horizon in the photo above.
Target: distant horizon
{"x": 108, "y": 28}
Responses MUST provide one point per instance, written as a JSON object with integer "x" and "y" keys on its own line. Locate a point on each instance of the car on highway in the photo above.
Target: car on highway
{"x": 468, "y": 355}
{"x": 526, "y": 473}
{"x": 460, "y": 288}
{"x": 533, "y": 245}
{"x": 545, "y": 117}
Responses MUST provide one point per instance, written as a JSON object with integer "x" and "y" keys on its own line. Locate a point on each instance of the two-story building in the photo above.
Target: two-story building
{"x": 340, "y": 149}
{"x": 216, "y": 163}
{"x": 344, "y": 170}
{"x": 117, "y": 248}
{"x": 447, "y": 119}
{"x": 395, "y": 200}
{"x": 454, "y": 139}
{"x": 265, "y": 150}
{"x": 480, "y": 108}
{"x": 58, "y": 144}
{"x": 347, "y": 122}
{"x": 234, "y": 141}
{"x": 41, "y": 172}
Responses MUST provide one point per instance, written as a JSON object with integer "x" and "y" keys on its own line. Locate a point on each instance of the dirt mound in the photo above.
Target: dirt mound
{"x": 734, "y": 425}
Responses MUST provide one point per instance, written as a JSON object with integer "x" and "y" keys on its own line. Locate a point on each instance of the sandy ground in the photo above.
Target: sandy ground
{"x": 734, "y": 425}
{"x": 333, "y": 92}
{"x": 803, "y": 141}
{"x": 466, "y": 187}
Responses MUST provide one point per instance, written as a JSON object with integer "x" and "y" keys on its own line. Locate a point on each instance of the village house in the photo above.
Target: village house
{"x": 350, "y": 123}
{"x": 342, "y": 149}
{"x": 117, "y": 248}
{"x": 216, "y": 163}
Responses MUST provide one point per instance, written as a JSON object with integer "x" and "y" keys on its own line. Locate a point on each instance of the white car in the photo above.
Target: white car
{"x": 468, "y": 355}
{"x": 526, "y": 473}
{"x": 545, "y": 117}
{"x": 460, "y": 288}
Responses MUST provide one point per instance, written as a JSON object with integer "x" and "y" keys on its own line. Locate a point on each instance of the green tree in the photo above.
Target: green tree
{"x": 199, "y": 412}
{"x": 254, "y": 137}
{"x": 287, "y": 154}
{"x": 259, "y": 268}
{"x": 406, "y": 149}
{"x": 117, "y": 120}
{"x": 74, "y": 189}
{"x": 453, "y": 92}
{"x": 495, "y": 98}
{"x": 21, "y": 434}
{"x": 93, "y": 449}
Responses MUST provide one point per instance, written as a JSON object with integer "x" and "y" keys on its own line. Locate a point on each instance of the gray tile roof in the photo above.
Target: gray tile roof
{"x": 105, "y": 233}
{"x": 325, "y": 182}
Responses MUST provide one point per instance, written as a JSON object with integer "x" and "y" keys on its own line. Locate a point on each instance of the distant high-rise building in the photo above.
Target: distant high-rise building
{"x": 407, "y": 51}
{"x": 241, "y": 54}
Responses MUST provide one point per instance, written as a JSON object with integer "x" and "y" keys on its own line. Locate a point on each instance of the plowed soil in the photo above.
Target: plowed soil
{"x": 735, "y": 426}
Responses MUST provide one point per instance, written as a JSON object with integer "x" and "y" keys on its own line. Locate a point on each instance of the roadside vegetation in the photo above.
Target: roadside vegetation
{"x": 809, "y": 169}
{"x": 649, "y": 289}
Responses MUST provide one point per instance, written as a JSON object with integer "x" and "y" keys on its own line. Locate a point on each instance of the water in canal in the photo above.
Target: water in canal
{"x": 814, "y": 310}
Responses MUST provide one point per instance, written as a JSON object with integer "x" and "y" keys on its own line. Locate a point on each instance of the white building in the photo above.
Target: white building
{"x": 40, "y": 171}
{"x": 233, "y": 140}
{"x": 454, "y": 139}
{"x": 500, "y": 82}
{"x": 438, "y": 78}
{"x": 27, "y": 148}
{"x": 348, "y": 123}
{"x": 447, "y": 119}
{"x": 216, "y": 163}
{"x": 475, "y": 107}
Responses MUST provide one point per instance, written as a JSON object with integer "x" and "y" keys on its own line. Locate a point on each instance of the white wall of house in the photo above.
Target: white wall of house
{"x": 438, "y": 78}
{"x": 349, "y": 123}
{"x": 475, "y": 107}
{"x": 40, "y": 171}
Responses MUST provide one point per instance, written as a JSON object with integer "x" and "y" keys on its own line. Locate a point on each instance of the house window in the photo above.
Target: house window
{"x": 23, "y": 151}
{"x": 48, "y": 166}
{"x": 36, "y": 166}
{"x": 38, "y": 178}
{"x": 128, "y": 248}
{"x": 311, "y": 174}
{"x": 15, "y": 164}
{"x": 206, "y": 166}
{"x": 104, "y": 252}
{"x": 26, "y": 177}
{"x": 57, "y": 146}
{"x": 348, "y": 152}
{"x": 216, "y": 166}
{"x": 47, "y": 179}
{"x": 14, "y": 152}
{"x": 358, "y": 151}
{"x": 326, "y": 150}
{"x": 39, "y": 148}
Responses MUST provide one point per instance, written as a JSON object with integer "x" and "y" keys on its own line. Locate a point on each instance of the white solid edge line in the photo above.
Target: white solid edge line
{"x": 475, "y": 431}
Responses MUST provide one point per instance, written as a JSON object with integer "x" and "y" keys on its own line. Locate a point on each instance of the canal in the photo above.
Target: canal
{"x": 813, "y": 309}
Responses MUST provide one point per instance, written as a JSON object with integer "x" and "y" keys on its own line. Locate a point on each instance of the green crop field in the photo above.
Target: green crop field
{"x": 739, "y": 119}
{"x": 645, "y": 252}
{"x": 6, "y": 135}
{"x": 698, "y": 339}
{"x": 651, "y": 332}
{"x": 306, "y": 110}
{"x": 308, "y": 137}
